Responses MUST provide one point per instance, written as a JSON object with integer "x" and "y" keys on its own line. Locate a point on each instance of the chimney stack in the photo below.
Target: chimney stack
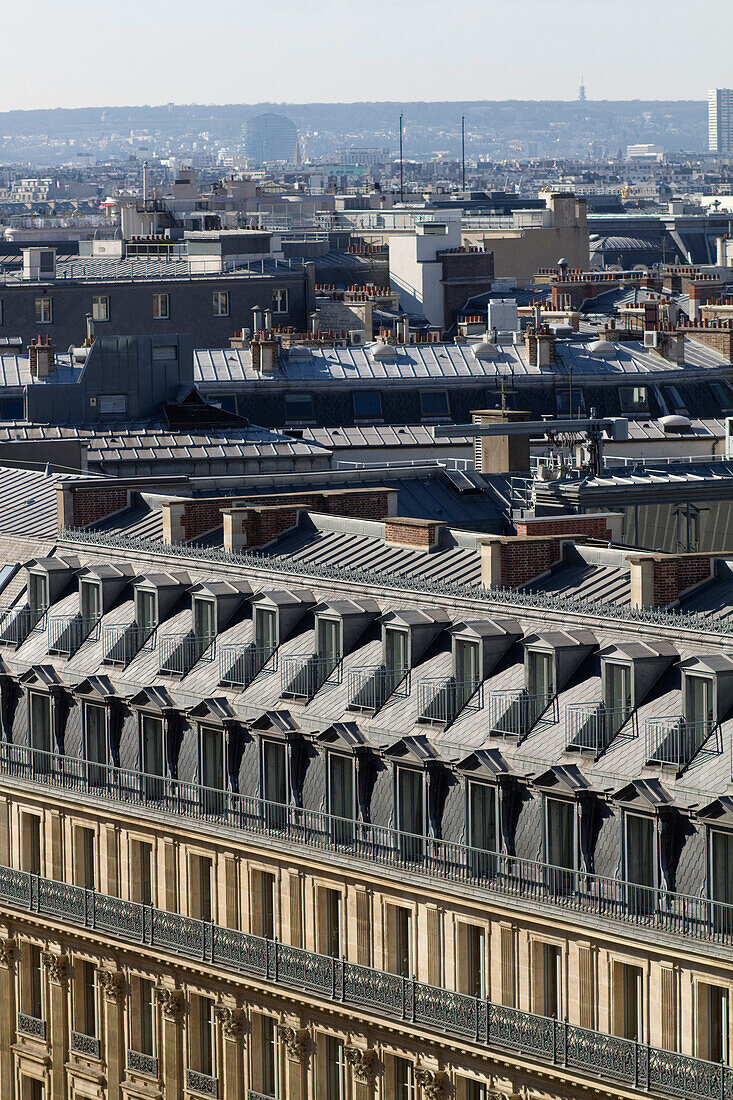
{"x": 42, "y": 357}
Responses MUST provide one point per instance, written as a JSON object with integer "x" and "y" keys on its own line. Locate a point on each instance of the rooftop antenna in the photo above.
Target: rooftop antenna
{"x": 463, "y": 152}
{"x": 145, "y": 181}
{"x": 581, "y": 92}
{"x": 402, "y": 188}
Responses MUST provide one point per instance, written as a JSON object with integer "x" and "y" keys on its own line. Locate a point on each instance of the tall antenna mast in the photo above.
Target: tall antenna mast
{"x": 463, "y": 151}
{"x": 402, "y": 185}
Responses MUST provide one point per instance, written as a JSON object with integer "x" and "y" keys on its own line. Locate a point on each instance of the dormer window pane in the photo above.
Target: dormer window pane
{"x": 40, "y": 722}
{"x": 540, "y": 675}
{"x": 96, "y": 743}
{"x": 561, "y": 833}
{"x": 274, "y": 783}
{"x": 395, "y": 650}
{"x": 153, "y": 755}
{"x": 482, "y": 816}
{"x": 618, "y": 687}
{"x": 204, "y": 620}
{"x": 328, "y": 640}
{"x": 37, "y": 592}
{"x": 721, "y": 866}
{"x": 265, "y": 629}
{"x": 467, "y": 662}
{"x": 91, "y": 601}
{"x": 410, "y": 810}
{"x": 641, "y": 862}
{"x": 146, "y": 611}
{"x": 213, "y": 772}
{"x": 341, "y": 802}
{"x": 699, "y": 701}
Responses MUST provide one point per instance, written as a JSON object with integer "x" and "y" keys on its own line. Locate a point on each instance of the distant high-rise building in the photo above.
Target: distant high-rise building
{"x": 720, "y": 120}
{"x": 270, "y": 137}
{"x": 581, "y": 91}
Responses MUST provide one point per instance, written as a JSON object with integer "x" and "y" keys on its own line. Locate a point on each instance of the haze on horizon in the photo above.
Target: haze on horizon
{"x": 254, "y": 51}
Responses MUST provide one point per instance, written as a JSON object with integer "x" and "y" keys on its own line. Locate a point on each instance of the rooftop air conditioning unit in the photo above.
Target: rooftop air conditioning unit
{"x": 651, "y": 339}
{"x": 357, "y": 337}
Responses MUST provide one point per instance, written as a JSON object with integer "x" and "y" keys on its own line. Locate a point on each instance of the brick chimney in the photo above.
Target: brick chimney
{"x": 540, "y": 344}
{"x": 509, "y": 561}
{"x": 256, "y": 525}
{"x": 42, "y": 357}
{"x": 265, "y": 354}
{"x": 659, "y": 580}
{"x": 593, "y": 525}
{"x": 419, "y": 534}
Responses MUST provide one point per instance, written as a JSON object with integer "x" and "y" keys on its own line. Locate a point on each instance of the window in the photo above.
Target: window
{"x": 720, "y": 393}
{"x": 203, "y": 1035}
{"x": 396, "y": 650}
{"x": 44, "y": 311}
{"x": 100, "y": 307}
{"x": 143, "y": 1019}
{"x": 675, "y": 399}
{"x": 33, "y": 991}
{"x": 280, "y": 301}
{"x": 85, "y": 857}
{"x": 482, "y": 813}
{"x": 627, "y": 1001}
{"x": 411, "y": 812}
{"x": 146, "y": 611}
{"x": 699, "y": 704}
{"x": 328, "y": 641}
{"x": 40, "y": 727}
{"x": 341, "y": 796}
{"x": 569, "y": 404}
{"x": 37, "y": 591}
{"x": 12, "y": 408}
{"x": 212, "y": 767}
{"x": 204, "y": 620}
{"x": 152, "y": 755}
{"x": 713, "y": 1022}
{"x": 265, "y": 629}
{"x": 201, "y": 873}
{"x": 220, "y": 303}
{"x": 547, "y": 980}
{"x": 633, "y": 399}
{"x": 87, "y": 1018}
{"x": 263, "y": 904}
{"x": 298, "y": 407}
{"x": 472, "y": 1090}
{"x": 540, "y": 677}
{"x": 466, "y": 659}
{"x": 472, "y": 960}
{"x": 618, "y": 696}
{"x": 560, "y": 842}
{"x": 141, "y": 872}
{"x": 404, "y": 1079}
{"x": 265, "y": 1060}
{"x": 95, "y": 743}
{"x": 329, "y": 922}
{"x": 91, "y": 600}
{"x": 641, "y": 861}
{"x": 31, "y": 842}
{"x": 161, "y": 307}
{"x": 399, "y": 942}
{"x": 274, "y": 783}
{"x": 335, "y": 1069}
{"x": 434, "y": 404}
{"x": 367, "y": 405}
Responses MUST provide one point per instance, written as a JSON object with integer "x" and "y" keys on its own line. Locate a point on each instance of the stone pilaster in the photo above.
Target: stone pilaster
{"x": 8, "y": 952}
{"x": 112, "y": 984}
{"x": 296, "y": 1043}
{"x": 232, "y": 1022}
{"x": 58, "y": 1019}
{"x": 362, "y": 1063}
{"x": 172, "y": 1006}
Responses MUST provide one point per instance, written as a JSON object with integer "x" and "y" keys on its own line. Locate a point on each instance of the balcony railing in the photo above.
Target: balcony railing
{"x": 372, "y": 686}
{"x": 31, "y": 1025}
{"x": 676, "y": 741}
{"x": 252, "y": 1095}
{"x": 592, "y": 726}
{"x": 122, "y": 643}
{"x": 201, "y": 1083}
{"x": 496, "y": 873}
{"x": 240, "y": 665}
{"x": 516, "y": 713}
{"x": 441, "y": 701}
{"x": 303, "y": 677}
{"x": 88, "y": 1045}
{"x": 142, "y": 1063}
{"x": 180, "y": 652}
{"x": 597, "y": 1056}
{"x": 16, "y": 623}
{"x": 67, "y": 633}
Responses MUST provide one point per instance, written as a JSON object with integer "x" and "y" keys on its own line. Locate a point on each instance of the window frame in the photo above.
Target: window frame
{"x": 551, "y": 801}
{"x": 429, "y": 417}
{"x": 280, "y": 295}
{"x": 629, "y": 405}
{"x": 40, "y": 309}
{"x": 160, "y": 297}
{"x": 220, "y": 298}
{"x": 371, "y": 417}
{"x": 104, "y": 301}
{"x": 298, "y": 396}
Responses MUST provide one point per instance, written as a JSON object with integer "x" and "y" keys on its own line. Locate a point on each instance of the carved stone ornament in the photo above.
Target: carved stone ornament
{"x": 171, "y": 1003}
{"x": 56, "y": 965}
{"x": 232, "y": 1021}
{"x": 295, "y": 1041}
{"x": 8, "y": 950}
{"x": 433, "y": 1082}
{"x": 113, "y": 984}
{"x": 363, "y": 1062}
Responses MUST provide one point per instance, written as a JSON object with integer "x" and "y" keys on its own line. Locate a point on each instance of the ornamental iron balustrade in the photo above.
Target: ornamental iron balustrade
{"x": 441, "y": 701}
{"x": 593, "y": 726}
{"x": 31, "y": 1025}
{"x": 303, "y": 677}
{"x": 516, "y": 713}
{"x": 370, "y": 687}
{"x": 240, "y": 665}
{"x": 563, "y": 604}
{"x": 201, "y": 1083}
{"x": 180, "y": 652}
{"x": 660, "y": 910}
{"x": 252, "y": 1095}
{"x": 677, "y": 741}
{"x": 601, "y": 1056}
{"x": 17, "y": 623}
{"x": 85, "y": 1044}
{"x": 122, "y": 643}
{"x": 142, "y": 1063}
{"x": 67, "y": 634}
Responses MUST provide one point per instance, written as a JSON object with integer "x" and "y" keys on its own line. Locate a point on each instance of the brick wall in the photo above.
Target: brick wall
{"x": 674, "y": 575}
{"x": 524, "y": 559}
{"x": 91, "y": 505}
{"x": 719, "y": 339}
{"x": 594, "y": 526}
{"x": 418, "y": 533}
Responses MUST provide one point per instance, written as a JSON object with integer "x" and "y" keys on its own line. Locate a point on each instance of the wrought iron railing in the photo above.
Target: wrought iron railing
{"x": 67, "y": 633}
{"x": 180, "y": 652}
{"x": 593, "y": 726}
{"x": 495, "y": 873}
{"x": 122, "y": 643}
{"x": 253, "y": 1095}
{"x": 516, "y": 713}
{"x": 240, "y": 665}
{"x": 441, "y": 701}
{"x": 88, "y": 1045}
{"x": 676, "y": 741}
{"x": 16, "y": 623}
{"x": 598, "y": 1056}
{"x": 142, "y": 1063}
{"x": 201, "y": 1083}
{"x": 303, "y": 677}
{"x": 370, "y": 687}
{"x": 31, "y": 1025}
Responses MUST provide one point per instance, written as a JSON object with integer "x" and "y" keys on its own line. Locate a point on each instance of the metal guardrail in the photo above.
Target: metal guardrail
{"x": 201, "y": 1083}
{"x": 303, "y": 677}
{"x": 497, "y": 873}
{"x": 31, "y": 1025}
{"x": 67, "y": 634}
{"x": 371, "y": 686}
{"x": 516, "y": 713}
{"x": 88, "y": 1045}
{"x": 240, "y": 665}
{"x": 17, "y": 623}
{"x": 676, "y": 741}
{"x": 593, "y": 726}
{"x": 441, "y": 701}
{"x": 600, "y": 1056}
{"x": 122, "y": 643}
{"x": 252, "y": 1095}
{"x": 180, "y": 652}
{"x": 142, "y": 1063}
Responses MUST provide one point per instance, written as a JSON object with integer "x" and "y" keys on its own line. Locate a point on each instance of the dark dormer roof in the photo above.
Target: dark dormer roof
{"x": 95, "y": 687}
{"x": 344, "y": 608}
{"x": 414, "y": 616}
{"x": 639, "y": 651}
{"x": 276, "y": 723}
{"x": 709, "y": 662}
{"x": 107, "y": 572}
{"x": 41, "y": 676}
{"x": 486, "y": 628}
{"x": 483, "y": 764}
{"x": 177, "y": 579}
{"x": 718, "y": 812}
{"x": 562, "y": 779}
{"x": 217, "y": 710}
{"x": 53, "y": 565}
{"x": 560, "y": 639}
{"x": 152, "y": 698}
{"x": 343, "y": 735}
{"x": 643, "y": 794}
{"x": 412, "y": 750}
{"x": 221, "y": 588}
{"x": 279, "y": 596}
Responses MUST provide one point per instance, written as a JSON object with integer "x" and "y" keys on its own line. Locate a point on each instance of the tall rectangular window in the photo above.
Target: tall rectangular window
{"x": 627, "y": 1001}
{"x": 482, "y": 817}
{"x": 472, "y": 960}
{"x": 641, "y": 861}
{"x": 561, "y": 842}
{"x": 335, "y": 1069}
{"x": 618, "y": 689}
{"x": 31, "y": 843}
{"x": 95, "y": 743}
{"x": 146, "y": 611}
{"x": 274, "y": 783}
{"x": 161, "y": 307}
{"x": 34, "y": 993}
{"x": 699, "y": 702}
{"x": 551, "y": 981}
{"x": 404, "y": 1079}
{"x": 396, "y": 650}
{"x": 91, "y": 600}
{"x": 329, "y": 922}
{"x": 280, "y": 301}
{"x": 141, "y": 872}
{"x": 40, "y": 725}
{"x": 328, "y": 640}
{"x": 467, "y": 669}
{"x": 263, "y": 904}
{"x": 37, "y": 591}
{"x": 220, "y": 303}
{"x": 713, "y": 1023}
{"x": 399, "y": 945}
{"x": 146, "y": 1010}
{"x": 201, "y": 871}
{"x": 204, "y": 620}
{"x": 540, "y": 677}
{"x": 100, "y": 307}
{"x": 341, "y": 796}
{"x": 153, "y": 755}
{"x": 411, "y": 812}
{"x": 44, "y": 311}
{"x": 266, "y": 1072}
{"x": 87, "y": 1016}
{"x": 85, "y": 853}
{"x": 265, "y": 629}
{"x": 212, "y": 768}
{"x": 206, "y": 1052}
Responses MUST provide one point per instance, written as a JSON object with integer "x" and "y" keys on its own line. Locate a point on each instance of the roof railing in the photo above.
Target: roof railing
{"x": 180, "y": 652}
{"x": 676, "y": 740}
{"x": 240, "y": 665}
{"x": 122, "y": 643}
{"x": 591, "y": 727}
{"x": 303, "y": 677}
{"x": 67, "y": 634}
{"x": 440, "y": 701}
{"x": 16, "y": 623}
{"x": 372, "y": 685}
{"x": 516, "y": 713}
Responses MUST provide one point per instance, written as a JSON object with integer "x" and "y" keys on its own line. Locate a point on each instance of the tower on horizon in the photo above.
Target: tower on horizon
{"x": 581, "y": 91}
{"x": 720, "y": 120}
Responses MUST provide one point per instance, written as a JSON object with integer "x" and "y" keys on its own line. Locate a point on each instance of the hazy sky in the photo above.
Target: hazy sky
{"x": 71, "y": 53}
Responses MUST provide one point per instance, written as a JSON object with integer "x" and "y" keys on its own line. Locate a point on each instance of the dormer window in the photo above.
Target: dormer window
{"x": 90, "y": 593}
{"x": 482, "y": 819}
{"x": 95, "y": 743}
{"x": 328, "y": 640}
{"x": 410, "y": 795}
{"x": 467, "y": 662}
{"x": 396, "y": 650}
{"x": 540, "y": 675}
{"x": 561, "y": 841}
{"x": 37, "y": 592}
{"x": 699, "y": 702}
{"x": 274, "y": 783}
{"x": 146, "y": 610}
{"x": 204, "y": 620}
{"x": 152, "y": 753}
{"x": 265, "y": 629}
{"x": 341, "y": 796}
{"x": 618, "y": 693}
